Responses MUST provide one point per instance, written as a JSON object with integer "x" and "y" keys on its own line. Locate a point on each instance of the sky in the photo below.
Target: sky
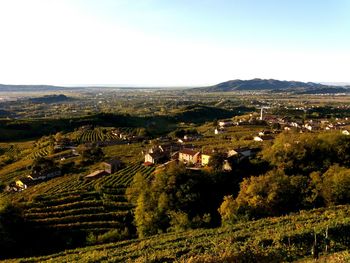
{"x": 172, "y": 42}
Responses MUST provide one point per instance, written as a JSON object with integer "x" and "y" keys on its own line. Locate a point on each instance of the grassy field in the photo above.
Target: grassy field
{"x": 286, "y": 238}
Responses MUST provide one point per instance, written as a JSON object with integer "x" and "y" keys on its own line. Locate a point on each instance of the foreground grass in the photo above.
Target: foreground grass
{"x": 286, "y": 238}
{"x": 338, "y": 257}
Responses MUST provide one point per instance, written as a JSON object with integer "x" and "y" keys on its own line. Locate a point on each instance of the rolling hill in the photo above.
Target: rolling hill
{"x": 273, "y": 85}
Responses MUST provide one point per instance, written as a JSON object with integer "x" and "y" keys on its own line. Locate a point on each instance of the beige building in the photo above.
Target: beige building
{"x": 189, "y": 156}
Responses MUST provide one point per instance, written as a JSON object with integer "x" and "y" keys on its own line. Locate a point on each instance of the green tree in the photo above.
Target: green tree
{"x": 11, "y": 228}
{"x": 271, "y": 194}
{"x": 228, "y": 210}
{"x": 90, "y": 153}
{"x": 305, "y": 153}
{"x": 216, "y": 161}
{"x": 336, "y": 185}
{"x": 42, "y": 165}
{"x": 173, "y": 200}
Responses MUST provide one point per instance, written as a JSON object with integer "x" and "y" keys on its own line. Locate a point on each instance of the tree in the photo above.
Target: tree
{"x": 11, "y": 228}
{"x": 227, "y": 210}
{"x": 342, "y": 149}
{"x": 336, "y": 185}
{"x": 90, "y": 153}
{"x": 180, "y": 133}
{"x": 42, "y": 165}
{"x": 216, "y": 161}
{"x": 173, "y": 200}
{"x": 138, "y": 184}
{"x": 305, "y": 153}
{"x": 271, "y": 194}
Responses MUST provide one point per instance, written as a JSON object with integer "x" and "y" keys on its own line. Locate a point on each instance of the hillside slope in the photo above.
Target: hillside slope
{"x": 286, "y": 238}
{"x": 273, "y": 85}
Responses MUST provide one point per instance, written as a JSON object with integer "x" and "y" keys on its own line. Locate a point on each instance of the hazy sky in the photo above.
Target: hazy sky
{"x": 174, "y": 42}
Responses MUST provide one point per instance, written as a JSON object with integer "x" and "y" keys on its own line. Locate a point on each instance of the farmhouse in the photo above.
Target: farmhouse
{"x": 189, "y": 156}
{"x": 225, "y": 123}
{"x": 243, "y": 152}
{"x": 44, "y": 175}
{"x": 154, "y": 157}
{"x": 161, "y": 153}
{"x": 112, "y": 166}
{"x": 24, "y": 183}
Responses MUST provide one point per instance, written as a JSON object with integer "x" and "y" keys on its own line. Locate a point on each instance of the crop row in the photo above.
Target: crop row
{"x": 108, "y": 204}
{"x": 125, "y": 176}
{"x": 37, "y": 213}
{"x": 76, "y": 183}
{"x": 95, "y": 135}
{"x": 287, "y": 238}
{"x": 40, "y": 152}
{"x": 86, "y": 225}
{"x": 61, "y": 213}
{"x": 110, "y": 216}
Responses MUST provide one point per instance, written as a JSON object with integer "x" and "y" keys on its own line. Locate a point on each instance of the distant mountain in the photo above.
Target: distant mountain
{"x": 273, "y": 85}
{"x": 29, "y": 88}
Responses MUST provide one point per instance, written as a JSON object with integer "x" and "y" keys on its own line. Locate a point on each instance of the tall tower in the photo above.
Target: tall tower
{"x": 261, "y": 113}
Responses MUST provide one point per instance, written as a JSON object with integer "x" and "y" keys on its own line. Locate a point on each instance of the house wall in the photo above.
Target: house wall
{"x": 148, "y": 158}
{"x": 20, "y": 184}
{"x": 205, "y": 159}
{"x": 188, "y": 158}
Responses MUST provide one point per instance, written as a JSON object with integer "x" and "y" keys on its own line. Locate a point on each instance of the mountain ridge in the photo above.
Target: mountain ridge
{"x": 274, "y": 85}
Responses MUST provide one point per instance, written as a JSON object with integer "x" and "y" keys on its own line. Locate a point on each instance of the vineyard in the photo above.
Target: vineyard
{"x": 40, "y": 152}
{"x": 95, "y": 135}
{"x": 72, "y": 204}
{"x": 286, "y": 238}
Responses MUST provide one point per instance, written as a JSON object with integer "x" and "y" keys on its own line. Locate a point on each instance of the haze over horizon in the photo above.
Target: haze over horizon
{"x": 172, "y": 43}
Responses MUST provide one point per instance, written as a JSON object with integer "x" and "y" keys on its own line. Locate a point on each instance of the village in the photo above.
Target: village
{"x": 195, "y": 147}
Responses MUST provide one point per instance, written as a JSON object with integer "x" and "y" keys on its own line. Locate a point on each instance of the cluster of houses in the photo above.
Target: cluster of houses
{"x": 166, "y": 149}
{"x": 163, "y": 153}
{"x": 109, "y": 167}
{"x": 126, "y": 136}
{"x": 34, "y": 178}
{"x": 287, "y": 124}
{"x": 263, "y": 136}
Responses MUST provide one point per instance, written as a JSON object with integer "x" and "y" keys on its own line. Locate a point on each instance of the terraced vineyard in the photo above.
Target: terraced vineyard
{"x": 120, "y": 179}
{"x": 95, "y": 135}
{"x": 42, "y": 152}
{"x": 73, "y": 204}
{"x": 83, "y": 211}
{"x": 286, "y": 238}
